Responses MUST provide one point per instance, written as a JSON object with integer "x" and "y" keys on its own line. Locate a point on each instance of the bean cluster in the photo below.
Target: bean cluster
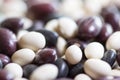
{"x": 59, "y": 40}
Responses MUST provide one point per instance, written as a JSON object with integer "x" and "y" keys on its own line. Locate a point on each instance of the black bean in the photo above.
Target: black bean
{"x": 62, "y": 66}
{"x": 110, "y": 57}
{"x": 46, "y": 55}
{"x": 76, "y": 69}
{"x": 28, "y": 69}
{"x": 7, "y": 41}
{"x": 51, "y": 37}
{"x": 14, "y": 24}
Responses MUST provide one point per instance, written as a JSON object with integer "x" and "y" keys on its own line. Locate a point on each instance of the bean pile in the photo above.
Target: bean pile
{"x": 59, "y": 40}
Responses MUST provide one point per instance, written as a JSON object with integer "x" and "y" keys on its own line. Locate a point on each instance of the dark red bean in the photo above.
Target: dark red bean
{"x": 89, "y": 28}
{"x": 110, "y": 56}
{"x": 28, "y": 69}
{"x": 111, "y": 15}
{"x": 42, "y": 10}
{"x": 51, "y": 37}
{"x": 37, "y": 25}
{"x": 7, "y": 41}
{"x": 63, "y": 67}
{"x": 46, "y": 55}
{"x": 4, "y": 75}
{"x": 106, "y": 31}
{"x": 5, "y": 59}
{"x": 14, "y": 24}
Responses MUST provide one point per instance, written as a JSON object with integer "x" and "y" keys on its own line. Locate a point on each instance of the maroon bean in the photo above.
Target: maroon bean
{"x": 111, "y": 15}
{"x": 89, "y": 28}
{"x": 5, "y": 59}
{"x": 4, "y": 75}
{"x": 42, "y": 10}
{"x": 14, "y": 24}
{"x": 46, "y": 55}
{"x": 106, "y": 31}
{"x": 7, "y": 41}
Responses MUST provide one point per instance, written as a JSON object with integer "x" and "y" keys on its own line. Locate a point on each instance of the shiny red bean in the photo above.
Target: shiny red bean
{"x": 14, "y": 24}
{"x": 7, "y": 41}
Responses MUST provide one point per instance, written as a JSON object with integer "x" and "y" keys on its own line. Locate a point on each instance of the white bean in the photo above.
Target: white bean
{"x": 32, "y": 40}
{"x": 94, "y": 50}
{"x": 45, "y": 72}
{"x": 23, "y": 56}
{"x": 14, "y": 69}
{"x": 67, "y": 27}
{"x": 73, "y": 54}
{"x": 82, "y": 77}
{"x": 97, "y": 68}
{"x": 113, "y": 41}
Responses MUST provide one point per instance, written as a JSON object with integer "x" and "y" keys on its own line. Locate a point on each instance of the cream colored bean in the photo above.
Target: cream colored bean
{"x": 113, "y": 41}
{"x": 82, "y": 77}
{"x": 73, "y": 54}
{"x": 94, "y": 50}
{"x": 14, "y": 69}
{"x": 97, "y": 68}
{"x": 32, "y": 40}
{"x": 67, "y": 27}
{"x": 52, "y": 25}
{"x": 23, "y": 56}
{"x": 45, "y": 72}
{"x": 20, "y": 79}
{"x": 115, "y": 72}
{"x": 61, "y": 46}
{"x": 21, "y": 33}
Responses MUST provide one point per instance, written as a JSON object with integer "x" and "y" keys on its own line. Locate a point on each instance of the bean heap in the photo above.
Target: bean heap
{"x": 59, "y": 40}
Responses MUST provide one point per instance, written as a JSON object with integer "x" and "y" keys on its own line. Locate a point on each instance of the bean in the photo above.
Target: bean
{"x": 20, "y": 79}
{"x": 82, "y": 77}
{"x": 64, "y": 30}
{"x": 5, "y": 75}
{"x": 64, "y": 79}
{"x": 41, "y": 10}
{"x": 63, "y": 67}
{"x": 14, "y": 69}
{"x": 51, "y": 37}
{"x": 47, "y": 55}
{"x": 7, "y": 41}
{"x": 94, "y": 50}
{"x": 73, "y": 54}
{"x": 28, "y": 69}
{"x": 110, "y": 56}
{"x": 105, "y": 32}
{"x": 113, "y": 41}
{"x": 5, "y": 59}
{"x": 32, "y": 40}
{"x": 14, "y": 24}
{"x": 89, "y": 28}
{"x": 100, "y": 68}
{"x": 23, "y": 56}
{"x": 61, "y": 46}
{"x": 45, "y": 72}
